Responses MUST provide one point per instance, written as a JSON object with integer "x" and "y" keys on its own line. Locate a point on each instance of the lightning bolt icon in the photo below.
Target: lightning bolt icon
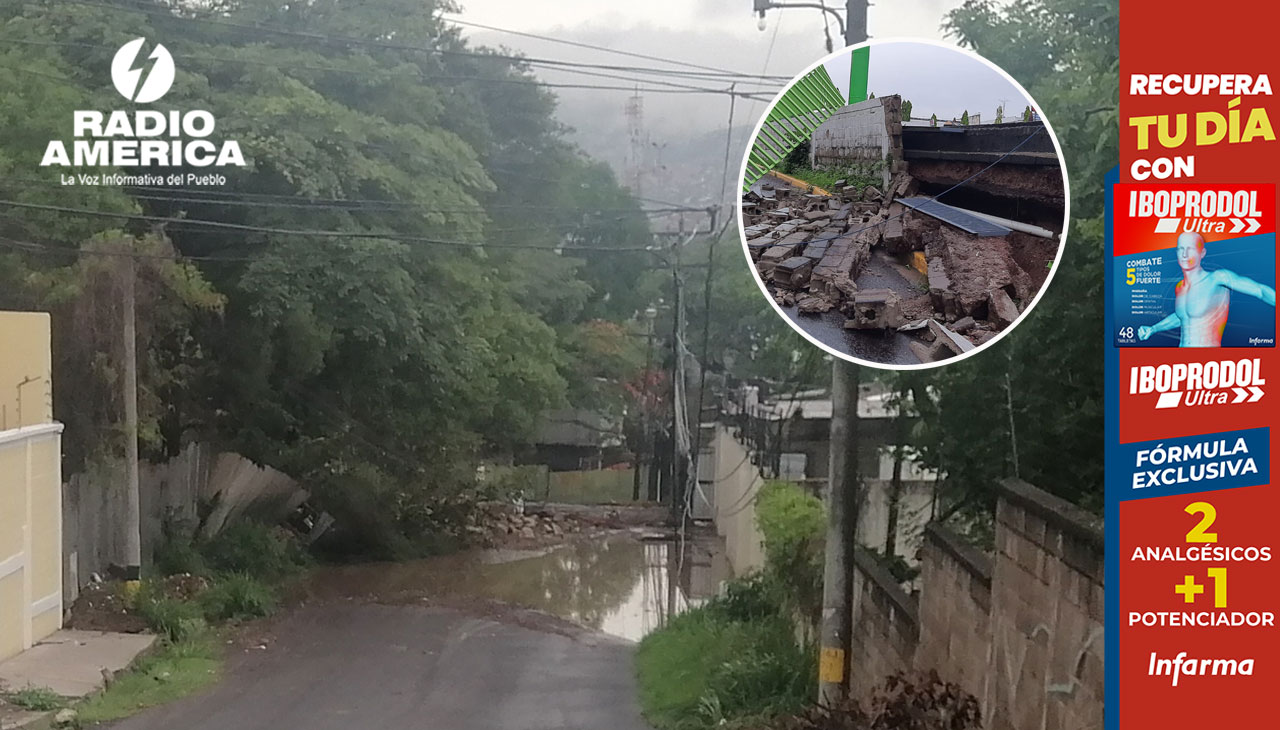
{"x": 134, "y": 74}
{"x": 141, "y": 69}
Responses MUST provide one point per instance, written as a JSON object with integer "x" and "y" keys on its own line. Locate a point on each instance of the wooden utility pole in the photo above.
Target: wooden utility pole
{"x": 133, "y": 511}
{"x": 842, "y": 519}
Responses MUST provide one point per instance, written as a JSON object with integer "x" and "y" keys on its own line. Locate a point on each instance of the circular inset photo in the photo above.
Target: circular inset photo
{"x": 904, "y": 204}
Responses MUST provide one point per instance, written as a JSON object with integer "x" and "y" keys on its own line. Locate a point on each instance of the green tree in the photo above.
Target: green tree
{"x": 1065, "y": 52}
{"x": 906, "y": 110}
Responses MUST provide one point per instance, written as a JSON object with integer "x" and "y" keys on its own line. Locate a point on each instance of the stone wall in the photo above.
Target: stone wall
{"x": 1021, "y": 629}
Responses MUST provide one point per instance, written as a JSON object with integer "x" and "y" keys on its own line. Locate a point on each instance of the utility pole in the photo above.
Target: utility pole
{"x": 842, "y": 483}
{"x": 133, "y": 510}
{"x": 855, "y": 21}
{"x": 842, "y": 519}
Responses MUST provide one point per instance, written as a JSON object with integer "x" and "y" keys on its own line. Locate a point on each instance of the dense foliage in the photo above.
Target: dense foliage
{"x": 378, "y": 366}
{"x": 1038, "y": 392}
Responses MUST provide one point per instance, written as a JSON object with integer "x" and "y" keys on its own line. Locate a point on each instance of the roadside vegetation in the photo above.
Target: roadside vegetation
{"x": 796, "y": 165}
{"x": 747, "y": 656}
{"x": 198, "y": 592}
{"x": 36, "y": 699}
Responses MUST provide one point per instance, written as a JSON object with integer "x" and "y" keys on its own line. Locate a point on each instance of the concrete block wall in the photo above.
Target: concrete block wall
{"x": 172, "y": 493}
{"x": 955, "y": 610}
{"x": 886, "y": 627}
{"x": 1047, "y": 616}
{"x": 1021, "y": 629}
{"x": 868, "y": 133}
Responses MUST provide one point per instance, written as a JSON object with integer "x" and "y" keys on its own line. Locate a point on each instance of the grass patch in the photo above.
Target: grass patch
{"x": 705, "y": 670}
{"x": 175, "y": 670}
{"x": 36, "y": 699}
{"x": 237, "y": 596}
{"x": 173, "y": 619}
{"x": 826, "y": 179}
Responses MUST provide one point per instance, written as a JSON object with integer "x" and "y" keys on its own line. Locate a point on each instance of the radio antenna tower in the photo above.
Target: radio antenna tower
{"x": 639, "y": 141}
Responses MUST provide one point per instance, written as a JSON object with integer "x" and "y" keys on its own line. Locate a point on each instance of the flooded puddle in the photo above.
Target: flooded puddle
{"x": 622, "y": 584}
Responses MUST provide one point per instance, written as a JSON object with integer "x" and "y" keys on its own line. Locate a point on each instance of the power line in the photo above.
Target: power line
{"x": 404, "y": 238}
{"x": 347, "y": 40}
{"x": 285, "y": 202}
{"x": 524, "y": 81}
{"x": 578, "y": 44}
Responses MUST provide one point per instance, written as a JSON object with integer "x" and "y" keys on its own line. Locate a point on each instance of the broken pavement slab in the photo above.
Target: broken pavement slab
{"x": 73, "y": 663}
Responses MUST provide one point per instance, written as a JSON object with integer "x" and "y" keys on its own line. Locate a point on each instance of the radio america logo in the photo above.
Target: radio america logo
{"x": 1214, "y": 383}
{"x": 144, "y": 137}
{"x": 156, "y": 78}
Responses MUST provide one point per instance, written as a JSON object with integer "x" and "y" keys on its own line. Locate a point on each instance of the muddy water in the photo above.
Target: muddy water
{"x": 620, "y": 584}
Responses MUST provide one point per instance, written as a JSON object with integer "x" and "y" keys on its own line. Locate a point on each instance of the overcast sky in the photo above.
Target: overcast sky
{"x": 719, "y": 33}
{"x": 937, "y": 80}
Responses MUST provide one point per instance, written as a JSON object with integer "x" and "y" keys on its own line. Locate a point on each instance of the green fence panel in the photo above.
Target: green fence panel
{"x": 802, "y": 109}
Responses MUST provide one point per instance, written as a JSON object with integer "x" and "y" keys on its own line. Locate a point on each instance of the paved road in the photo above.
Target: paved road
{"x": 357, "y": 665}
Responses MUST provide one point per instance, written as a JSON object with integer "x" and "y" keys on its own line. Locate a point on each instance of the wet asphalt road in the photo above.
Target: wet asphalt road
{"x": 350, "y": 664}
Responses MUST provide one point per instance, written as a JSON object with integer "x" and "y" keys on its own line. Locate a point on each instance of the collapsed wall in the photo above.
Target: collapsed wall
{"x": 890, "y": 257}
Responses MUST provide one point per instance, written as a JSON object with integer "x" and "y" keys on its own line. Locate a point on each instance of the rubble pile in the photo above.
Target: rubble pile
{"x": 812, "y": 249}
{"x": 498, "y": 523}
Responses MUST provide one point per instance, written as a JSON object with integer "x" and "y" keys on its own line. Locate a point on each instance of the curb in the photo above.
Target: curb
{"x": 797, "y": 182}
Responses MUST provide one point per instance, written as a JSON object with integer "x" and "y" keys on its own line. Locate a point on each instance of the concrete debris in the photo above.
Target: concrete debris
{"x": 793, "y": 272}
{"x": 964, "y": 324}
{"x": 1001, "y": 308}
{"x": 952, "y": 289}
{"x": 874, "y": 309}
{"x": 814, "y": 305}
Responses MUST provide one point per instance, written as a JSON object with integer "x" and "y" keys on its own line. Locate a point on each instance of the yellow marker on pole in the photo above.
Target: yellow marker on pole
{"x": 831, "y": 665}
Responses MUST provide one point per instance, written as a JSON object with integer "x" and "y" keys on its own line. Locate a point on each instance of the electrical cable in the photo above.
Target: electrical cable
{"x": 606, "y": 49}
{"x": 404, "y": 238}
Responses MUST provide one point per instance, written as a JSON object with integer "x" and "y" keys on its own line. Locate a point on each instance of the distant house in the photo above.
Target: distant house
{"x": 574, "y": 438}
{"x": 30, "y": 486}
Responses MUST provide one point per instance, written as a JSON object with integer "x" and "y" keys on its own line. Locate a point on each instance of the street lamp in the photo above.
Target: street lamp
{"x": 856, "y": 10}
{"x": 760, "y": 6}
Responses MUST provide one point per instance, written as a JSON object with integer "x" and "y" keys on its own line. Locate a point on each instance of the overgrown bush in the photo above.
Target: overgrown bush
{"x": 793, "y": 524}
{"x": 767, "y": 680}
{"x": 247, "y": 547}
{"x": 178, "y": 555}
{"x": 237, "y": 596}
{"x": 254, "y": 549}
{"x": 747, "y": 599}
